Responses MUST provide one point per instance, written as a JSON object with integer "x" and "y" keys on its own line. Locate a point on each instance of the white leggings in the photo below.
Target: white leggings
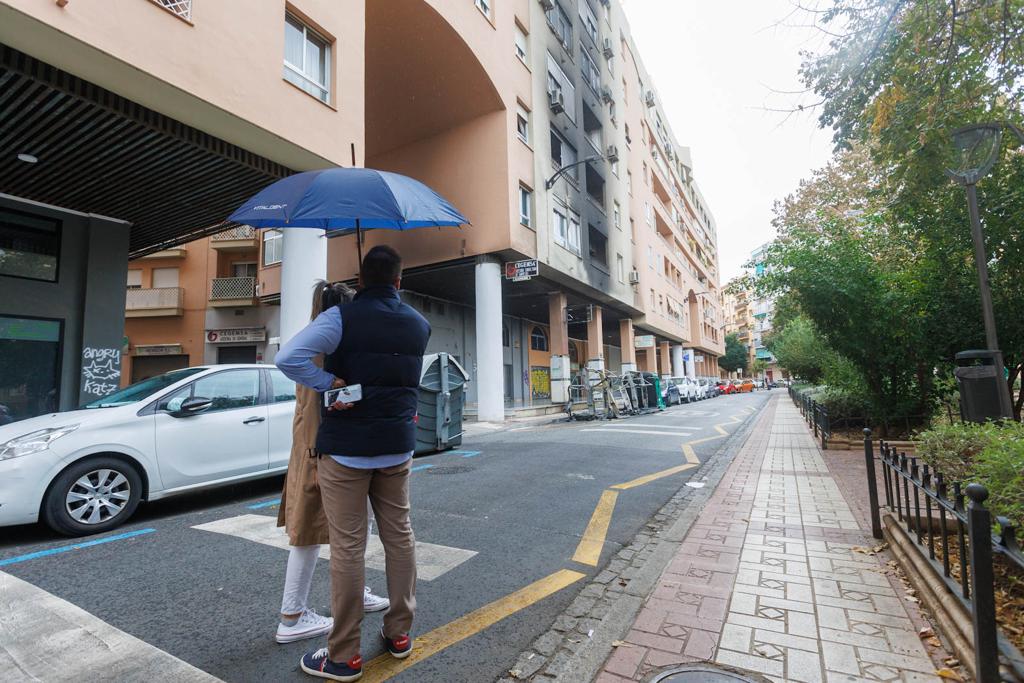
{"x": 298, "y": 576}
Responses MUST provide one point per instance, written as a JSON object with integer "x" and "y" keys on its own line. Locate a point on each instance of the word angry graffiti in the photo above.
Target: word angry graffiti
{"x": 101, "y": 371}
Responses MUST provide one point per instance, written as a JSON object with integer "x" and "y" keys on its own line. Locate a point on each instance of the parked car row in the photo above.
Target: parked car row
{"x": 679, "y": 390}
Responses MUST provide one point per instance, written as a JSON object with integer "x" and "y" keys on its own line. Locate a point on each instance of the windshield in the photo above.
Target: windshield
{"x": 141, "y": 390}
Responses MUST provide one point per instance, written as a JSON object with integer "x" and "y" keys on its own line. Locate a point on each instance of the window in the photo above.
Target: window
{"x": 617, "y": 215}
{"x": 165, "y": 277}
{"x": 227, "y": 391}
{"x": 521, "y": 44}
{"x": 506, "y": 336}
{"x": 561, "y": 225}
{"x": 563, "y": 154}
{"x": 484, "y": 6}
{"x": 247, "y": 269}
{"x": 307, "y": 58}
{"x": 615, "y": 167}
{"x": 273, "y": 247}
{"x": 525, "y": 206}
{"x": 598, "y": 246}
{"x": 652, "y": 300}
{"x": 561, "y": 24}
{"x": 523, "y": 124}
{"x": 134, "y": 279}
{"x": 591, "y": 72}
{"x": 611, "y": 111}
{"x": 29, "y": 246}
{"x": 538, "y": 339}
{"x": 648, "y": 213}
{"x": 559, "y": 82}
{"x": 629, "y": 182}
{"x": 282, "y": 388}
{"x": 574, "y": 232}
{"x": 625, "y": 127}
{"x": 589, "y": 20}
{"x": 650, "y": 256}
{"x": 620, "y": 268}
{"x": 30, "y": 351}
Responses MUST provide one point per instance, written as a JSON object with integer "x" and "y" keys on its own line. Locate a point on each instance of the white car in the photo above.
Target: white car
{"x": 687, "y": 391}
{"x": 85, "y": 471}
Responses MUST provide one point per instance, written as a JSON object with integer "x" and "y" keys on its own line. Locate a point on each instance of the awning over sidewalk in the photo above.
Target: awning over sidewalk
{"x": 98, "y": 152}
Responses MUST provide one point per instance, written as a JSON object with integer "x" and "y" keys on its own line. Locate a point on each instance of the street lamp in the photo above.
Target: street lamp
{"x": 976, "y": 149}
{"x": 596, "y": 157}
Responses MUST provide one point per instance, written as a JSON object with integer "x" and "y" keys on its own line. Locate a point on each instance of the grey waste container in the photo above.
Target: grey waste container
{"x": 980, "y": 382}
{"x": 442, "y": 398}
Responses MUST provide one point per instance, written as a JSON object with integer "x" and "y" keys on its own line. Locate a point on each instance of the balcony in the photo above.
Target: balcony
{"x": 152, "y": 303}
{"x": 232, "y": 292}
{"x": 176, "y": 252}
{"x": 238, "y": 238}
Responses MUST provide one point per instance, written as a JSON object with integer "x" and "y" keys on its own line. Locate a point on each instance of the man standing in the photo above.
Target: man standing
{"x": 366, "y": 449}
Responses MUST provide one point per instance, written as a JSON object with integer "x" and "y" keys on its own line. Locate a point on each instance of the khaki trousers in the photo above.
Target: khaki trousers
{"x": 344, "y": 491}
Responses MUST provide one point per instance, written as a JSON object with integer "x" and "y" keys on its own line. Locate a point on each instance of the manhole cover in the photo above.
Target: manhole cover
{"x": 450, "y": 469}
{"x": 704, "y": 673}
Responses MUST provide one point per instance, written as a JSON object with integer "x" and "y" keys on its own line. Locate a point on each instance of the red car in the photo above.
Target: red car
{"x": 726, "y": 387}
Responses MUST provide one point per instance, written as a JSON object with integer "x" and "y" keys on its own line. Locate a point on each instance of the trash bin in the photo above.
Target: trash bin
{"x": 653, "y": 389}
{"x": 980, "y": 380}
{"x": 442, "y": 398}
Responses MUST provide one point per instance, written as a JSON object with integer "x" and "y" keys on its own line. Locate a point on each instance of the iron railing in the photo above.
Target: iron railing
{"x": 181, "y": 8}
{"x": 223, "y": 288}
{"x": 948, "y": 529}
{"x": 154, "y": 298}
{"x": 239, "y": 232}
{"x": 816, "y": 415}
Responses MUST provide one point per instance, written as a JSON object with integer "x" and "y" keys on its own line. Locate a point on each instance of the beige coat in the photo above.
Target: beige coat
{"x": 302, "y": 511}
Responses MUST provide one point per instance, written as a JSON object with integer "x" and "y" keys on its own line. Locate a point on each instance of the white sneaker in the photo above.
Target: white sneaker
{"x": 309, "y": 625}
{"x": 374, "y": 603}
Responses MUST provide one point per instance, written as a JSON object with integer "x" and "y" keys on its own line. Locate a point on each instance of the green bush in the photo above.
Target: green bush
{"x": 990, "y": 454}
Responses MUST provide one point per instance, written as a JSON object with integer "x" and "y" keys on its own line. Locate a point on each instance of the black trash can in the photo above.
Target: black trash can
{"x": 653, "y": 389}
{"x": 980, "y": 378}
{"x": 442, "y": 398}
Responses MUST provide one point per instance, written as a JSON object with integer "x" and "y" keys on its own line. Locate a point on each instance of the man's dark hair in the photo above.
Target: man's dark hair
{"x": 381, "y": 266}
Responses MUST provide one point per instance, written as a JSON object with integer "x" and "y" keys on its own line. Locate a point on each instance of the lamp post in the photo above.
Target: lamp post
{"x": 976, "y": 149}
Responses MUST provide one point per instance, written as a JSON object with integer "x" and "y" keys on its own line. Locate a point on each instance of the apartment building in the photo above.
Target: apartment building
{"x": 750, "y": 317}
{"x": 487, "y": 101}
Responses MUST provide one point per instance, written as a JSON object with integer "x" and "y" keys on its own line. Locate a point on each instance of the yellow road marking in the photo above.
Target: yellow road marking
{"x": 589, "y": 549}
{"x": 653, "y": 477}
{"x": 688, "y": 453}
{"x": 721, "y": 431}
{"x": 429, "y": 644}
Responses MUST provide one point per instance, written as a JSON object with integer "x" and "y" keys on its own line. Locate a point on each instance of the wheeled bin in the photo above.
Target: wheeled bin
{"x": 442, "y": 399}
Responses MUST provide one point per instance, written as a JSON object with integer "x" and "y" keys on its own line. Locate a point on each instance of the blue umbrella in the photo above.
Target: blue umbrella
{"x": 346, "y": 200}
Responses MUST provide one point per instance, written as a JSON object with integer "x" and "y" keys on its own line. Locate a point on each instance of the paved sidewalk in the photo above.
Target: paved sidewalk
{"x": 768, "y": 580}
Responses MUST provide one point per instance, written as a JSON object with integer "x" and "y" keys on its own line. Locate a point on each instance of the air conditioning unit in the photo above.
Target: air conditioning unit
{"x": 634, "y": 277}
{"x": 654, "y": 153}
{"x": 609, "y": 49}
{"x": 649, "y": 98}
{"x": 613, "y": 154}
{"x": 606, "y": 93}
{"x": 548, "y": 5}
{"x": 556, "y": 100}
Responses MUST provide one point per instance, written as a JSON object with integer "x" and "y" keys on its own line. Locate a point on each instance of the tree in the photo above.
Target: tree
{"x": 759, "y": 366}
{"x": 735, "y": 357}
{"x": 800, "y": 349}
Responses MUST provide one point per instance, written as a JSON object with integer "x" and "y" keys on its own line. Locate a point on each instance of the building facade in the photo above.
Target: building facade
{"x": 750, "y": 317}
{"x": 535, "y": 118}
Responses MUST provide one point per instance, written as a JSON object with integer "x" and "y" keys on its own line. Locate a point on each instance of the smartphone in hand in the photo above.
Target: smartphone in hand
{"x": 349, "y": 394}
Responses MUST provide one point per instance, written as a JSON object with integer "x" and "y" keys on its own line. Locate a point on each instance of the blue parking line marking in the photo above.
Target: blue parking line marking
{"x": 420, "y": 467}
{"x": 466, "y": 454}
{"x": 73, "y": 546}
{"x": 264, "y": 504}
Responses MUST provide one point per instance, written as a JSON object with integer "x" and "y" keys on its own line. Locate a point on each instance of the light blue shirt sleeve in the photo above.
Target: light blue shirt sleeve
{"x": 321, "y": 336}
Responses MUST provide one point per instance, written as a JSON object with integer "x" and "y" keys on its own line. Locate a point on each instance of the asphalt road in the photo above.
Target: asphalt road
{"x": 521, "y": 499}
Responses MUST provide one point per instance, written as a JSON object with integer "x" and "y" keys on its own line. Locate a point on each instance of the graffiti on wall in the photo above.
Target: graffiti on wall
{"x": 101, "y": 371}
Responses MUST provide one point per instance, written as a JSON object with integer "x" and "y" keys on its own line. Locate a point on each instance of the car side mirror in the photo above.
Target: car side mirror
{"x": 190, "y": 406}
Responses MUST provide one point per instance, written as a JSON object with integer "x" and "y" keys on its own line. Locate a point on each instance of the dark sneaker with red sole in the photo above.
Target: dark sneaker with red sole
{"x": 400, "y": 647}
{"x": 318, "y": 663}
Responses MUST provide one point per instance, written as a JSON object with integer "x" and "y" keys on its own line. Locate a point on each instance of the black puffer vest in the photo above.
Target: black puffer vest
{"x": 382, "y": 346}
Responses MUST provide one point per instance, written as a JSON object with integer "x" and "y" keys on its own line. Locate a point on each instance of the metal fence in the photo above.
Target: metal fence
{"x": 951, "y": 532}
{"x": 233, "y": 288}
{"x": 816, "y": 415}
{"x": 239, "y": 232}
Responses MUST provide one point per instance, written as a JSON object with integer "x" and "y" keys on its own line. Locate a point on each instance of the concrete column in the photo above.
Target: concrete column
{"x": 595, "y": 340}
{"x": 303, "y": 262}
{"x": 678, "y": 366}
{"x": 627, "y": 339}
{"x": 651, "y": 359}
{"x": 558, "y": 342}
{"x": 665, "y": 367}
{"x": 691, "y": 369}
{"x": 490, "y": 392}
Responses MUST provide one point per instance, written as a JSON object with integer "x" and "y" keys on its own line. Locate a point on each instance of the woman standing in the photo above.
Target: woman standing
{"x": 301, "y": 512}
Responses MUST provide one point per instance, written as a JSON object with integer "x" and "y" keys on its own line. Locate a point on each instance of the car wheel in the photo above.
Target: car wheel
{"x": 92, "y": 496}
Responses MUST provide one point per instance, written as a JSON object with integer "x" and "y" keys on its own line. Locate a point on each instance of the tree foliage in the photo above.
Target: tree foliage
{"x": 799, "y": 348}
{"x": 735, "y": 357}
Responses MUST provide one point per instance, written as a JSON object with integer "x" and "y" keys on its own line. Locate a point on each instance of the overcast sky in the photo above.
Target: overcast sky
{"x": 715, "y": 65}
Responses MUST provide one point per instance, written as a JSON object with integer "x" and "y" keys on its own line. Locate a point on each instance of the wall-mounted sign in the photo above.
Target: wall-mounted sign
{"x": 158, "y": 350}
{"x": 698, "y": 358}
{"x": 644, "y": 341}
{"x": 519, "y": 271}
{"x": 239, "y": 334}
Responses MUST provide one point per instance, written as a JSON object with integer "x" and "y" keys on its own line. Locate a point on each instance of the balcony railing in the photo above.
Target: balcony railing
{"x": 233, "y": 289}
{"x": 181, "y": 8}
{"x": 239, "y": 232}
{"x": 155, "y": 301}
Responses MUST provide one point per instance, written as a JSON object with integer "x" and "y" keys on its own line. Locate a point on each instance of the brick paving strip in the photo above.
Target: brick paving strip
{"x": 768, "y": 579}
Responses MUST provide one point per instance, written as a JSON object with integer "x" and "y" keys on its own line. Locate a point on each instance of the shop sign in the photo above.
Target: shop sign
{"x": 698, "y": 358}
{"x": 241, "y": 334}
{"x": 644, "y": 341}
{"x": 158, "y": 350}
{"x": 520, "y": 271}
